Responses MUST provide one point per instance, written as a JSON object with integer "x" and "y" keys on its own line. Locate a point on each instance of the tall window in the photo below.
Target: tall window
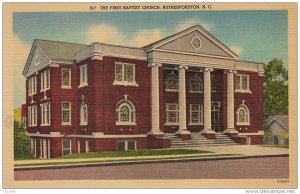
{"x": 66, "y": 78}
{"x": 125, "y": 74}
{"x": 83, "y": 75}
{"x": 213, "y": 83}
{"x": 242, "y": 83}
{"x": 83, "y": 113}
{"x": 172, "y": 114}
{"x": 243, "y": 115}
{"x": 45, "y": 114}
{"x": 66, "y": 147}
{"x": 125, "y": 113}
{"x": 171, "y": 83}
{"x": 32, "y": 115}
{"x": 196, "y": 85}
{"x": 196, "y": 114}
{"x": 45, "y": 80}
{"x": 32, "y": 85}
{"x": 66, "y": 112}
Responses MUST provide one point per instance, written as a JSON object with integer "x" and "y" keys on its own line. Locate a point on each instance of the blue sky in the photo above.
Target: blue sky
{"x": 254, "y": 35}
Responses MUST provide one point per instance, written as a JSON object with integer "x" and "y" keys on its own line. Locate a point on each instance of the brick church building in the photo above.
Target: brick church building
{"x": 103, "y": 97}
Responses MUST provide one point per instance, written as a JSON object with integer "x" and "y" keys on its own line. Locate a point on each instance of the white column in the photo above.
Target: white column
{"x": 41, "y": 148}
{"x": 155, "y": 100}
{"x": 207, "y": 102}
{"x": 230, "y": 103}
{"x": 182, "y": 101}
{"x": 49, "y": 155}
{"x": 34, "y": 147}
{"x": 44, "y": 148}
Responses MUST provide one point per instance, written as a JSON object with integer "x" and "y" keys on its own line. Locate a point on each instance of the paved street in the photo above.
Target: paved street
{"x": 251, "y": 168}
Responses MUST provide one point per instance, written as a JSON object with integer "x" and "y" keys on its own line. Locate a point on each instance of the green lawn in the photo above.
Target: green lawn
{"x": 134, "y": 153}
{"x": 276, "y": 145}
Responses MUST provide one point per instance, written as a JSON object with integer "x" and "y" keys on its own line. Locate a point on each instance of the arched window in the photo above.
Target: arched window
{"x": 243, "y": 115}
{"x": 195, "y": 84}
{"x": 171, "y": 83}
{"x": 83, "y": 113}
{"x": 125, "y": 113}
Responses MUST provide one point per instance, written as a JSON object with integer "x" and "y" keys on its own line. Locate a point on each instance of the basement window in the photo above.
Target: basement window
{"x": 126, "y": 145}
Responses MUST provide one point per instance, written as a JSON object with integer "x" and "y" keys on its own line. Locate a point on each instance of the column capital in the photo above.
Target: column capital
{"x": 208, "y": 69}
{"x": 183, "y": 67}
{"x": 154, "y": 65}
{"x": 230, "y": 71}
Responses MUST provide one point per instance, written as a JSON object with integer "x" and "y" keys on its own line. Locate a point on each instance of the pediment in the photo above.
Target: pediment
{"x": 195, "y": 41}
{"x": 36, "y": 60}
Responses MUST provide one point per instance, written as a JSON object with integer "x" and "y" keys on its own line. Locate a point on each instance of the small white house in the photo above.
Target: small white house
{"x": 279, "y": 125}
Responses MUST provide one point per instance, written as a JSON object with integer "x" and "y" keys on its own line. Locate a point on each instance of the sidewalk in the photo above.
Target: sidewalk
{"x": 219, "y": 152}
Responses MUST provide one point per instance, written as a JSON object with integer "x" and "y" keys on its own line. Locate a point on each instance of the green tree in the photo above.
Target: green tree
{"x": 21, "y": 142}
{"x": 275, "y": 88}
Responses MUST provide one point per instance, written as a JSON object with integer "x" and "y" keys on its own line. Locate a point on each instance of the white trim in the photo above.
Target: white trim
{"x": 260, "y": 132}
{"x": 78, "y": 146}
{"x": 49, "y": 155}
{"x": 107, "y": 136}
{"x": 83, "y": 73}
{"x": 87, "y": 145}
{"x": 241, "y": 90}
{"x": 32, "y": 85}
{"x": 43, "y": 115}
{"x": 32, "y": 115}
{"x": 200, "y": 106}
{"x": 123, "y": 81}
{"x": 247, "y": 115}
{"x": 177, "y": 114}
{"x": 52, "y": 134}
{"x": 126, "y": 144}
{"x": 188, "y": 31}
{"x": 132, "y": 112}
{"x": 45, "y": 73}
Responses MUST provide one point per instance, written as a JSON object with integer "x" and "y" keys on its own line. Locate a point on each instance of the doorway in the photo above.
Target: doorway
{"x": 215, "y": 116}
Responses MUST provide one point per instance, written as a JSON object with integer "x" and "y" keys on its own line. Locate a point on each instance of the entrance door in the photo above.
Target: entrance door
{"x": 215, "y": 115}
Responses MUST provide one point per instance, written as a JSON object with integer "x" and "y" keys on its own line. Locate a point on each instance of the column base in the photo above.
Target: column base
{"x": 156, "y": 133}
{"x": 209, "y": 133}
{"x": 231, "y": 132}
{"x": 184, "y": 134}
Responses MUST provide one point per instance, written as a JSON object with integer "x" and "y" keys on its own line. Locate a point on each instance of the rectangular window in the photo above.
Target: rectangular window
{"x": 66, "y": 147}
{"x": 45, "y": 80}
{"x": 32, "y": 115}
{"x": 241, "y": 83}
{"x": 66, "y": 78}
{"x": 196, "y": 114}
{"x": 125, "y": 74}
{"x": 66, "y": 112}
{"x": 172, "y": 114}
{"x": 32, "y": 86}
{"x": 83, "y": 75}
{"x": 126, "y": 145}
{"x": 45, "y": 114}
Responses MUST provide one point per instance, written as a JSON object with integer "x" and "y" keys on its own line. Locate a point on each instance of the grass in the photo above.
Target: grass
{"x": 133, "y": 153}
{"x": 124, "y": 160}
{"x": 276, "y": 145}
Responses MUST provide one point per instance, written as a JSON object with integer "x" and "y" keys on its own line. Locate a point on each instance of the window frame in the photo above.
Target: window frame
{"x": 32, "y": 115}
{"x": 196, "y": 77}
{"x": 167, "y": 116}
{"x": 124, "y": 82}
{"x": 82, "y": 104}
{"x": 43, "y": 114}
{"x": 132, "y": 112}
{"x": 70, "y": 78}
{"x": 83, "y": 76}
{"x": 247, "y": 115}
{"x": 63, "y": 148}
{"x": 70, "y": 113}
{"x": 32, "y": 86}
{"x": 126, "y": 144}
{"x": 241, "y": 90}
{"x": 200, "y": 111}
{"x": 169, "y": 76}
{"x": 45, "y": 76}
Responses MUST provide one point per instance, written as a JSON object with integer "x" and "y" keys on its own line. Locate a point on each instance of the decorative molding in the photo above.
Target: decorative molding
{"x": 260, "y": 132}
{"x": 196, "y": 38}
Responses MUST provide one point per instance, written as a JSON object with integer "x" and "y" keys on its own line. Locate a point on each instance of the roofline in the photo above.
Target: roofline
{"x": 61, "y": 42}
{"x": 107, "y": 44}
{"x": 279, "y": 122}
{"x": 190, "y": 29}
{"x": 250, "y": 62}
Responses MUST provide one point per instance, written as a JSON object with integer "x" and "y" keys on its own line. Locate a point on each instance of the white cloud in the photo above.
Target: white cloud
{"x": 238, "y": 50}
{"x": 17, "y": 61}
{"x": 144, "y": 37}
{"x": 106, "y": 33}
{"x": 192, "y": 22}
